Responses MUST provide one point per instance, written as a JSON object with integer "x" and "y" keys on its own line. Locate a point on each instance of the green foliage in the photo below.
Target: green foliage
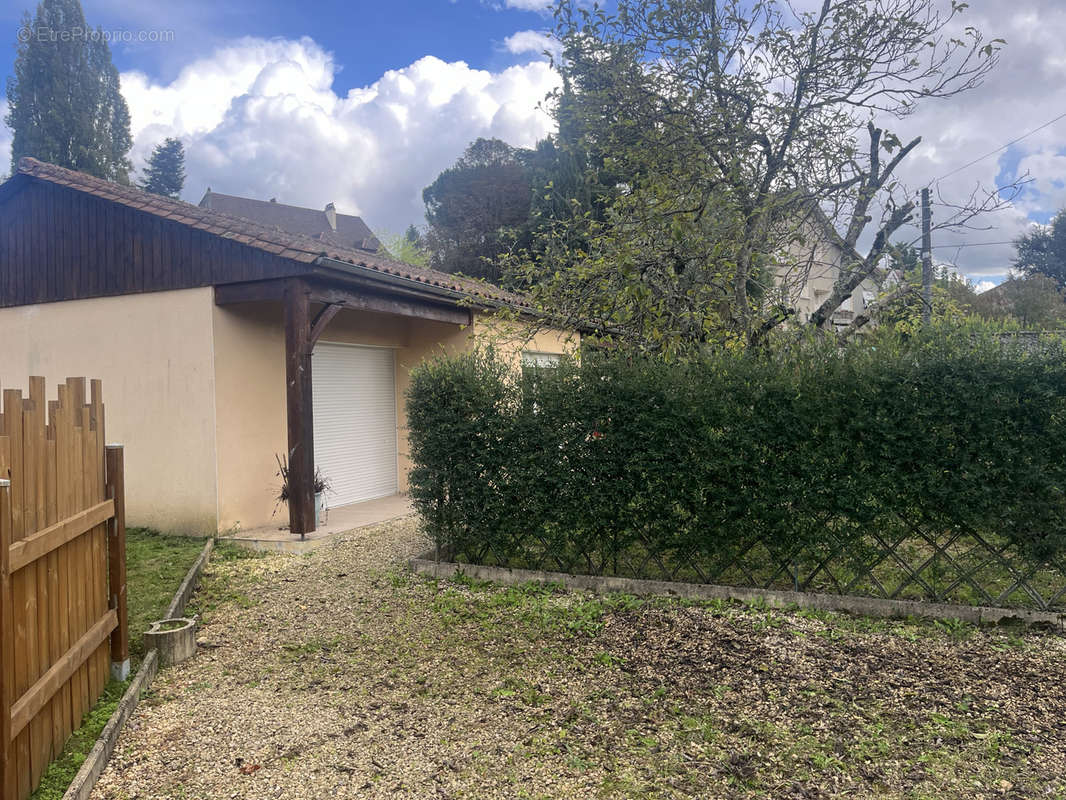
{"x": 709, "y": 153}
{"x": 473, "y": 207}
{"x": 165, "y": 173}
{"x": 156, "y": 564}
{"x": 1043, "y": 251}
{"x": 954, "y": 298}
{"x": 577, "y": 467}
{"x": 64, "y": 102}
{"x": 1034, "y": 302}
{"x": 408, "y": 247}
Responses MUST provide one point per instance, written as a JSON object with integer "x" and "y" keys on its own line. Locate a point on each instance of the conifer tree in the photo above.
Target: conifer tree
{"x": 165, "y": 173}
{"x": 64, "y": 103}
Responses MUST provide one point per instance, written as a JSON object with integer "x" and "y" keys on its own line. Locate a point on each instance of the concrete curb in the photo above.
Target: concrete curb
{"x": 93, "y": 767}
{"x": 850, "y": 604}
{"x": 188, "y": 586}
{"x": 84, "y": 782}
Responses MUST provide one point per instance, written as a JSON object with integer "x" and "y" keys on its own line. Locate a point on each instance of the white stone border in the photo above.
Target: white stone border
{"x": 850, "y": 604}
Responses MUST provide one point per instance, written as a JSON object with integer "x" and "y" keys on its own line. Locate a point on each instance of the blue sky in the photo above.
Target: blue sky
{"x": 367, "y": 38}
{"x": 363, "y": 104}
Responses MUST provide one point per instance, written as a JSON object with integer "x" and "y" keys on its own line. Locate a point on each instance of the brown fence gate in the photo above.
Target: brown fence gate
{"x": 62, "y": 573}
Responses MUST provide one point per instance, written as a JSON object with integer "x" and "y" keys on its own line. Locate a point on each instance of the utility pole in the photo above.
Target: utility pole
{"x": 927, "y": 258}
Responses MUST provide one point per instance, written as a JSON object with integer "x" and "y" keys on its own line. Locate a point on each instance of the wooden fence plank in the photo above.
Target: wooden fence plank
{"x": 36, "y": 425}
{"x": 61, "y": 635}
{"x": 100, "y": 544}
{"x": 23, "y": 710}
{"x": 23, "y": 594}
{"x": 8, "y": 780}
{"x": 45, "y": 541}
{"x": 39, "y": 731}
{"x": 58, "y": 623}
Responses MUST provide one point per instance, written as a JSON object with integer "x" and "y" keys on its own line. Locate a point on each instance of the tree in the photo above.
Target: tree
{"x": 1043, "y": 250}
{"x": 64, "y": 102}
{"x": 724, "y": 139}
{"x": 165, "y": 173}
{"x": 954, "y": 297}
{"x": 474, "y": 207}
{"x": 1033, "y": 301}
{"x": 407, "y": 247}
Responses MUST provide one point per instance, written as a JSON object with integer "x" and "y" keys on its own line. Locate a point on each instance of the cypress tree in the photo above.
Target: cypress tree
{"x": 165, "y": 173}
{"x": 64, "y": 102}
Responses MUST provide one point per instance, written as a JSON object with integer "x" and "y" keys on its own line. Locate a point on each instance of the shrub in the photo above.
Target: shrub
{"x": 687, "y": 466}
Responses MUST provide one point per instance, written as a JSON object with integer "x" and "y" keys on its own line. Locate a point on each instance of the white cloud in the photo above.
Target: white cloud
{"x": 1026, "y": 89}
{"x": 259, "y": 118}
{"x": 531, "y": 42}
{"x": 984, "y": 286}
{"x": 5, "y": 142}
{"x": 529, "y": 5}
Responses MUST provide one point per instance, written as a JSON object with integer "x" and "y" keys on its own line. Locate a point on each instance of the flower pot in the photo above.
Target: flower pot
{"x": 320, "y": 506}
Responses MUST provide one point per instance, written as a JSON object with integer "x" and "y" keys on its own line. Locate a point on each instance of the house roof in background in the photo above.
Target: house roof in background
{"x": 351, "y": 232}
{"x": 283, "y": 244}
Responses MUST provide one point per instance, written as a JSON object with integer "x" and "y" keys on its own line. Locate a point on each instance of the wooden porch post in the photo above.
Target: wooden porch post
{"x": 301, "y": 456}
{"x": 116, "y": 562}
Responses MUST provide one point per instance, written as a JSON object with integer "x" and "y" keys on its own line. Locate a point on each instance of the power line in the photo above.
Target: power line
{"x": 1000, "y": 149}
{"x": 967, "y": 244}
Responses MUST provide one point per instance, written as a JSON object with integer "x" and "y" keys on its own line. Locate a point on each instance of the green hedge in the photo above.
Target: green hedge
{"x": 688, "y": 466}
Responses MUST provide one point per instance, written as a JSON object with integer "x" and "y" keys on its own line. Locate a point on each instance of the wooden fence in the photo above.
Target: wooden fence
{"x": 62, "y": 573}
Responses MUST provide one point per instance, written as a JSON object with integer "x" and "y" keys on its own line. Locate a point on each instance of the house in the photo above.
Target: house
{"x": 339, "y": 230}
{"x": 223, "y": 343}
{"x": 816, "y": 255}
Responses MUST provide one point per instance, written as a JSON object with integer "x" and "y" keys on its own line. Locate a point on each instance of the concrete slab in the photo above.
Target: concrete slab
{"x": 338, "y": 521}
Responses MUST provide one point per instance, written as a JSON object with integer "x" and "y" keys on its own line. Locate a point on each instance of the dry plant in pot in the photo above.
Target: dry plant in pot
{"x": 321, "y": 486}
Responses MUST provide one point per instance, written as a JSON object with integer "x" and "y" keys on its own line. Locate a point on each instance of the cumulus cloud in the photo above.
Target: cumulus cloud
{"x": 984, "y": 286}
{"x": 1027, "y": 89}
{"x": 260, "y": 118}
{"x": 531, "y": 42}
{"x": 529, "y": 5}
{"x": 5, "y": 141}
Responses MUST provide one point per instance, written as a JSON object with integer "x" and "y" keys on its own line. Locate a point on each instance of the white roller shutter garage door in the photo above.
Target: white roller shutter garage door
{"x": 355, "y": 421}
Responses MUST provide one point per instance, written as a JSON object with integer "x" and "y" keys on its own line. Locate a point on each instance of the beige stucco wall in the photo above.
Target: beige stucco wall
{"x": 153, "y": 353}
{"x": 249, "y": 344}
{"x": 249, "y": 361}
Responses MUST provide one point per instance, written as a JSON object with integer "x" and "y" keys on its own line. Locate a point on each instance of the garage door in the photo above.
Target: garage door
{"x": 355, "y": 421}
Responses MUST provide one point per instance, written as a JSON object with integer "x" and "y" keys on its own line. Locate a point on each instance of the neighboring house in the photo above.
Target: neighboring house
{"x": 339, "y": 230}
{"x": 814, "y": 268}
{"x": 223, "y": 343}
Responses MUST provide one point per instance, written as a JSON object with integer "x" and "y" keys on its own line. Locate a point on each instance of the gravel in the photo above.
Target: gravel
{"x": 338, "y": 674}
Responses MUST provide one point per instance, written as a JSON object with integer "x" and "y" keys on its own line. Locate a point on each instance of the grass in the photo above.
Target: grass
{"x": 764, "y": 702}
{"x": 403, "y": 686}
{"x": 155, "y": 566}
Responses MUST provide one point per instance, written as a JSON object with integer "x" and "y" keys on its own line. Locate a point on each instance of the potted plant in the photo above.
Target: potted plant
{"x": 321, "y": 486}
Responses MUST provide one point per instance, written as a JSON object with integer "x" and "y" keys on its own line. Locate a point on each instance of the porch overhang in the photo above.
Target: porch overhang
{"x": 333, "y": 287}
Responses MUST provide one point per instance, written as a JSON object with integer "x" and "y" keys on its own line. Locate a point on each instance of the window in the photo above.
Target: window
{"x": 532, "y": 358}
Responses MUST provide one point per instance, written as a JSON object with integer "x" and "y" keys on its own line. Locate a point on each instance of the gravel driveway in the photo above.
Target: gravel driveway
{"x": 337, "y": 674}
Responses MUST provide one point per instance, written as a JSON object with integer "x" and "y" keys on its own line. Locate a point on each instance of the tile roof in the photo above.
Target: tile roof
{"x": 294, "y": 247}
{"x": 351, "y": 233}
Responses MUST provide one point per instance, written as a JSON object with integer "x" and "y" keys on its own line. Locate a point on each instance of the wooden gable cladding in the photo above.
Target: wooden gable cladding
{"x": 60, "y": 244}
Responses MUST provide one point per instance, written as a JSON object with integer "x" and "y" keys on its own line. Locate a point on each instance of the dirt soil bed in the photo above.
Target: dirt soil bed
{"x": 338, "y": 674}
